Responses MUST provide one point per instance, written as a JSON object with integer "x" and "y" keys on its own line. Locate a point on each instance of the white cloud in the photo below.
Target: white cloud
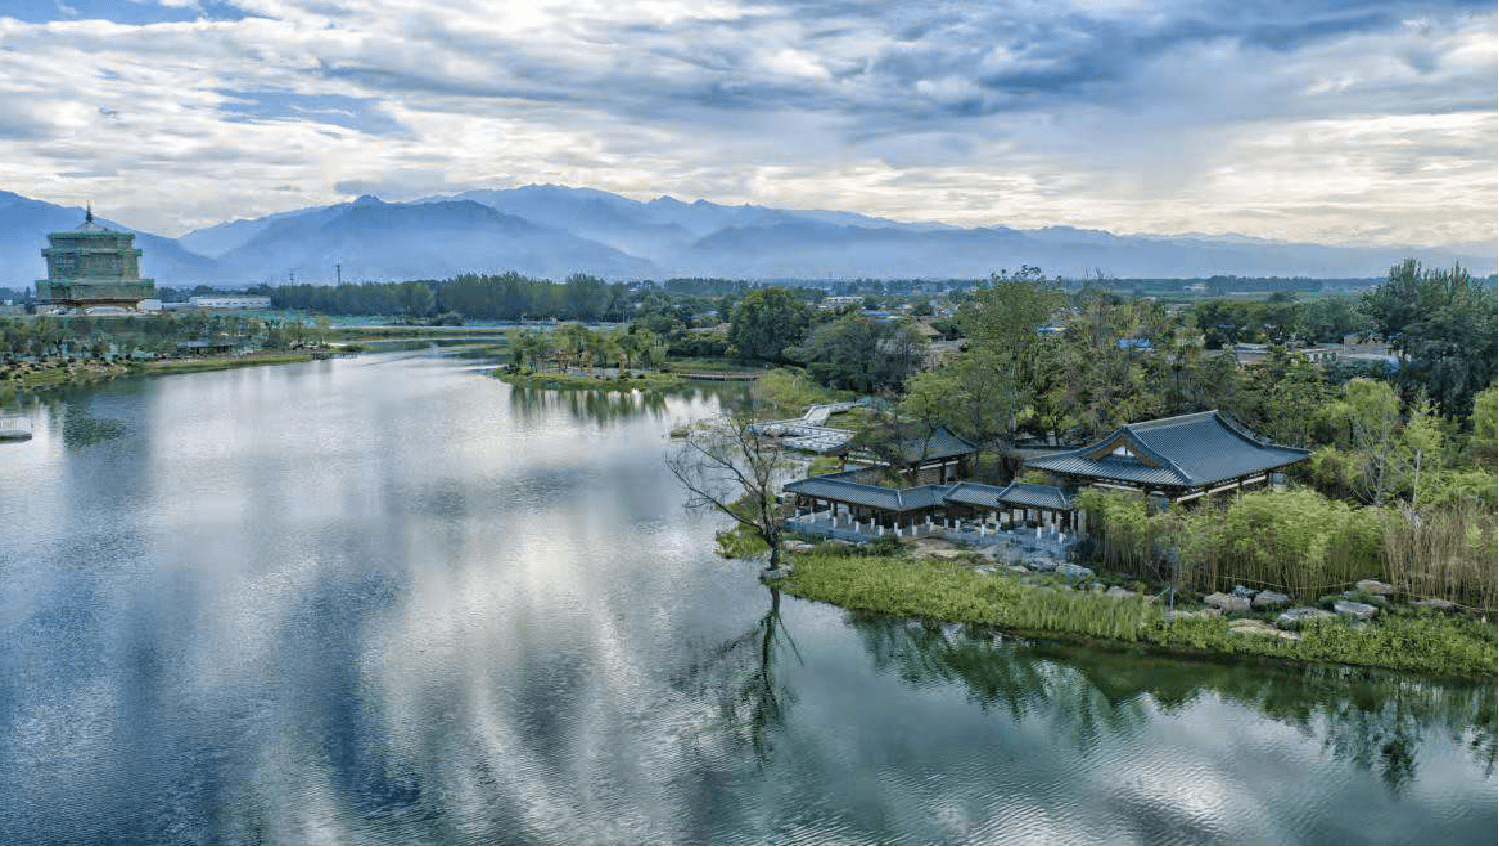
{"x": 1339, "y": 124}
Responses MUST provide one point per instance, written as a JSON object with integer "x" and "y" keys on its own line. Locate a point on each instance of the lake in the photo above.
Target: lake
{"x": 389, "y": 599}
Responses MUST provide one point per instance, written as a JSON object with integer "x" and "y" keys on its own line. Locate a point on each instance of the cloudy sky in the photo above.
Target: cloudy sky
{"x": 1339, "y": 121}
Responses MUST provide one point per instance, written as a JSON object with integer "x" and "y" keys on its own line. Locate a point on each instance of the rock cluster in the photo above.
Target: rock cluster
{"x": 1250, "y": 626}
{"x": 1294, "y": 617}
{"x": 1362, "y": 611}
{"x": 1227, "y": 602}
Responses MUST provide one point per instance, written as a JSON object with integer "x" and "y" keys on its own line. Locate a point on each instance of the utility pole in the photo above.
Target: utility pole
{"x": 338, "y": 271}
{"x": 291, "y": 277}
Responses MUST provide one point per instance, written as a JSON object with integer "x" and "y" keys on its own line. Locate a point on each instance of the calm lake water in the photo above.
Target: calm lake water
{"x": 387, "y": 599}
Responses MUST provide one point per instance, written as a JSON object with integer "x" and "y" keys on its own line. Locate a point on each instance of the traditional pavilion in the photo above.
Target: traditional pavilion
{"x": 938, "y": 457}
{"x": 1172, "y": 459}
{"x": 1178, "y": 458}
{"x": 847, "y": 503}
{"x": 93, "y": 265}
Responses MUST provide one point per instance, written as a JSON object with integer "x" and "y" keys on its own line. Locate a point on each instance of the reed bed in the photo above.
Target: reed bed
{"x": 1411, "y": 640}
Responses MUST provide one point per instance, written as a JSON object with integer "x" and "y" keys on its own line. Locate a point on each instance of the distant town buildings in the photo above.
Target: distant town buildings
{"x": 229, "y": 302}
{"x": 839, "y": 302}
{"x": 93, "y": 267}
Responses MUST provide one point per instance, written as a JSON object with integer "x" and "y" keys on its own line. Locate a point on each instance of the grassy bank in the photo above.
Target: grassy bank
{"x": 79, "y": 373}
{"x": 219, "y": 363}
{"x": 1407, "y": 640}
{"x": 581, "y": 382}
{"x": 373, "y": 333}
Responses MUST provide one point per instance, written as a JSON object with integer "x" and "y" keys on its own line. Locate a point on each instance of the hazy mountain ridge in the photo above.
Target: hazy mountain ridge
{"x": 25, "y": 223}
{"x": 552, "y": 231}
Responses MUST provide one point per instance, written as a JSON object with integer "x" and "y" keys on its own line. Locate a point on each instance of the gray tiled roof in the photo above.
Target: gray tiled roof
{"x": 872, "y": 496}
{"x": 1190, "y": 451}
{"x": 1043, "y": 496}
{"x": 975, "y": 494}
{"x": 941, "y": 444}
{"x": 928, "y": 496}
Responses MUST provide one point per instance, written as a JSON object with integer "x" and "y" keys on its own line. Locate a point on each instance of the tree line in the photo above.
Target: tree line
{"x": 498, "y": 297}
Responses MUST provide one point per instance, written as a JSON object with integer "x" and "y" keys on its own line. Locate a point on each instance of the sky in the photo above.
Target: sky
{"x": 1332, "y": 121}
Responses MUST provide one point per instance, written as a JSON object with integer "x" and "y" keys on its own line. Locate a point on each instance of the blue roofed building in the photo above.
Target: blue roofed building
{"x": 1174, "y": 459}
{"x": 1178, "y": 458}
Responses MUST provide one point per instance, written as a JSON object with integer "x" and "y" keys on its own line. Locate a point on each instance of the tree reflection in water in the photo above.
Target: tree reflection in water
{"x": 601, "y": 407}
{"x": 739, "y": 676}
{"x": 1373, "y": 719}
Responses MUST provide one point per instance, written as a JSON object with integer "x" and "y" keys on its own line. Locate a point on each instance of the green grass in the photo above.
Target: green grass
{"x": 60, "y": 375}
{"x": 824, "y": 465}
{"x": 369, "y": 333}
{"x": 688, "y": 365}
{"x": 218, "y": 363}
{"x": 950, "y": 591}
{"x": 578, "y": 382}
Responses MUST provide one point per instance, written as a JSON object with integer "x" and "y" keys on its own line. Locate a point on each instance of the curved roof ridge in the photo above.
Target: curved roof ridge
{"x": 1156, "y": 455}
{"x": 1170, "y": 421}
{"x": 1244, "y": 432}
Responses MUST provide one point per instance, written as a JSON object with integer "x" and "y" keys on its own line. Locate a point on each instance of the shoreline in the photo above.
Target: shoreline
{"x": 580, "y": 382}
{"x": 94, "y": 372}
{"x": 950, "y": 591}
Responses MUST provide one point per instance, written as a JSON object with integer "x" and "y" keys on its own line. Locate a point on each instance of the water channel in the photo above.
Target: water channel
{"x": 388, "y": 599}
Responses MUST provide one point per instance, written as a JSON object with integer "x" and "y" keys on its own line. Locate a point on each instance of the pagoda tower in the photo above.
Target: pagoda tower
{"x": 93, "y": 265}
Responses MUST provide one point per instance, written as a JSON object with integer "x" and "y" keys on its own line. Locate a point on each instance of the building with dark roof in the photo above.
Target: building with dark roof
{"x": 1176, "y": 459}
{"x": 93, "y": 266}
{"x": 1181, "y": 458}
{"x": 847, "y": 500}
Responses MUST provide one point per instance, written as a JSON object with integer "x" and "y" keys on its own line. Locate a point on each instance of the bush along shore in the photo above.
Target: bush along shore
{"x": 961, "y": 586}
{"x": 641, "y": 381}
{"x": 65, "y": 372}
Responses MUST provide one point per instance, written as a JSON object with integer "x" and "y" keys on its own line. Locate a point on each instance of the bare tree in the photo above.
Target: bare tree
{"x": 727, "y": 466}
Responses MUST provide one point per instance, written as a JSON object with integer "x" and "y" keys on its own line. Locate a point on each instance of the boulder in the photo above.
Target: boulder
{"x": 1269, "y": 598}
{"x": 1019, "y": 569}
{"x": 797, "y": 546}
{"x": 1439, "y": 605}
{"x": 1227, "y": 602}
{"x": 1249, "y": 626}
{"x": 1074, "y": 571}
{"x": 1200, "y": 613}
{"x": 1119, "y": 593}
{"x": 1374, "y": 586}
{"x": 1241, "y": 591}
{"x": 1362, "y": 611}
{"x": 1294, "y": 617}
{"x": 1043, "y": 565}
{"x": 983, "y": 569}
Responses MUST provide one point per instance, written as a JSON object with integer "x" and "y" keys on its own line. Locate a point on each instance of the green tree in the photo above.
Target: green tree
{"x": 860, "y": 355}
{"x": 1442, "y": 322}
{"x": 767, "y": 323}
{"x": 1482, "y": 422}
{"x": 728, "y": 467}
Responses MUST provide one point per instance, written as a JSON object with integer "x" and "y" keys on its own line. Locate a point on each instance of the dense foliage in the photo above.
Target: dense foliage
{"x": 499, "y": 297}
{"x": 155, "y": 334}
{"x": 768, "y": 324}
{"x": 864, "y": 356}
{"x": 951, "y": 591}
{"x": 1443, "y": 322}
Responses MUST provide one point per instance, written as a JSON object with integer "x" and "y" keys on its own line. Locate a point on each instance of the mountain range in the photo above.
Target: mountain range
{"x": 552, "y": 231}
